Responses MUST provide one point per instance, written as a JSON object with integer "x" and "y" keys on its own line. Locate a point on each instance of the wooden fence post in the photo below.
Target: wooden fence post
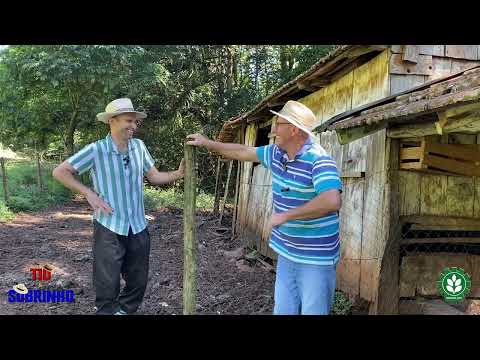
{"x": 189, "y": 243}
{"x": 217, "y": 190}
{"x": 226, "y": 191}
{"x": 39, "y": 173}
{"x": 4, "y": 177}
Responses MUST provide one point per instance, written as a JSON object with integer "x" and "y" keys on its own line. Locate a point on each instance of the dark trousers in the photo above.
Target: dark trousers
{"x": 113, "y": 255}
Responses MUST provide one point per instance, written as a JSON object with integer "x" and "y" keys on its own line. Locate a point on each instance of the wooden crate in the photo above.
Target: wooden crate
{"x": 444, "y": 159}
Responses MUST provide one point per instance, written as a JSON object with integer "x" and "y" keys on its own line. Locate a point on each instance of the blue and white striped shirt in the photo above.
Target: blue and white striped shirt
{"x": 118, "y": 180}
{"x": 294, "y": 183}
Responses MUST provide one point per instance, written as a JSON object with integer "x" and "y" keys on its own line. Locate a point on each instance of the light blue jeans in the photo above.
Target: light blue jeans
{"x": 303, "y": 289}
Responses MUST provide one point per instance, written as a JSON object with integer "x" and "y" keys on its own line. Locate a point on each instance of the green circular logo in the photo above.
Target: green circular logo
{"x": 454, "y": 284}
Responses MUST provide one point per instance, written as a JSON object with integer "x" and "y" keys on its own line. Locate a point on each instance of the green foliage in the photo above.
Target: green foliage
{"x": 156, "y": 198}
{"x": 5, "y": 213}
{"x": 24, "y": 194}
{"x": 49, "y": 95}
{"x": 341, "y": 305}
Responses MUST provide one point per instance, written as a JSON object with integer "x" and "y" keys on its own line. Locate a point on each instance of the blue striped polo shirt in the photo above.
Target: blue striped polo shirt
{"x": 294, "y": 183}
{"x": 117, "y": 181}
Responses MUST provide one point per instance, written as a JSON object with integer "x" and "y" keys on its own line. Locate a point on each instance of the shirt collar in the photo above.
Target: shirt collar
{"x": 112, "y": 147}
{"x": 305, "y": 147}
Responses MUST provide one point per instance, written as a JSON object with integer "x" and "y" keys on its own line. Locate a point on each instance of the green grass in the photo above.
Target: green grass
{"x": 156, "y": 198}
{"x": 5, "y": 213}
{"x": 341, "y": 304}
{"x": 24, "y": 194}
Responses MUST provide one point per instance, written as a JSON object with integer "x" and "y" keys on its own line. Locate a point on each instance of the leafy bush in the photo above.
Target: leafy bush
{"x": 157, "y": 198}
{"x": 341, "y": 304}
{"x": 24, "y": 194}
{"x": 5, "y": 213}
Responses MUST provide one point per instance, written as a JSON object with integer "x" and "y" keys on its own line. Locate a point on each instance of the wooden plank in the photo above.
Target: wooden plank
{"x": 476, "y": 198}
{"x": 387, "y": 296}
{"x": 235, "y": 206}
{"x": 353, "y": 174}
{"x": 354, "y": 156}
{"x": 468, "y": 152}
{"x": 450, "y": 240}
{"x": 441, "y": 67}
{"x": 460, "y": 195}
{"x": 411, "y": 153}
{"x": 348, "y": 276}
{"x": 469, "y": 52}
{"x": 412, "y": 130}
{"x": 4, "y": 180}
{"x": 435, "y": 50}
{"x": 397, "y": 49}
{"x": 462, "y": 139}
{"x": 371, "y": 81}
{"x": 419, "y": 272}
{"x": 410, "y": 53}
{"x": 338, "y": 97}
{"x": 351, "y": 218}
{"x": 227, "y": 188}
{"x": 447, "y": 222}
{"x": 217, "y": 190}
{"x": 190, "y": 244}
{"x": 400, "y": 82}
{"x": 409, "y": 192}
{"x": 423, "y": 66}
{"x": 369, "y": 276}
{"x": 411, "y": 166}
{"x": 453, "y": 166}
{"x": 315, "y": 102}
{"x": 461, "y": 65}
{"x": 245, "y": 177}
{"x": 433, "y": 195}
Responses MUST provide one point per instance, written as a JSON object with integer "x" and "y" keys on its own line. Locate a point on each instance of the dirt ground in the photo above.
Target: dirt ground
{"x": 62, "y": 237}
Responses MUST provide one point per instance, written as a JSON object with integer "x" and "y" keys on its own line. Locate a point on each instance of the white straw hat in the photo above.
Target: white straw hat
{"x": 117, "y": 107}
{"x": 299, "y": 115}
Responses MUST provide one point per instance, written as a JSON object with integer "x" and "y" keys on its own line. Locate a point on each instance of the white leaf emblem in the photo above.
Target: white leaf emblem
{"x": 458, "y": 282}
{"x": 449, "y": 288}
{"x": 454, "y": 277}
{"x": 458, "y": 288}
{"x": 450, "y": 282}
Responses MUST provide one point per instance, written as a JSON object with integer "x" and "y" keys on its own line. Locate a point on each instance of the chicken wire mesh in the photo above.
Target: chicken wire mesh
{"x": 444, "y": 241}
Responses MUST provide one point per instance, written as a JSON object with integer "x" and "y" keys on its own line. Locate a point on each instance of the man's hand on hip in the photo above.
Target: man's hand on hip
{"x": 97, "y": 203}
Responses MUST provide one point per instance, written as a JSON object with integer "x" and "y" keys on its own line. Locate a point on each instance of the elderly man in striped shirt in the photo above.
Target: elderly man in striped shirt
{"x": 306, "y": 199}
{"x": 117, "y": 166}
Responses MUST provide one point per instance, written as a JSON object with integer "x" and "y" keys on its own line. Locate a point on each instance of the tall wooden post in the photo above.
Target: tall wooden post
{"x": 4, "y": 177}
{"x": 39, "y": 173}
{"x": 226, "y": 191}
{"x": 217, "y": 191}
{"x": 189, "y": 243}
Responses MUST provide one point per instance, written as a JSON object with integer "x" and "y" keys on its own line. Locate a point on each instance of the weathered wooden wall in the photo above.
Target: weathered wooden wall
{"x": 440, "y": 195}
{"x": 429, "y": 62}
{"x": 374, "y": 193}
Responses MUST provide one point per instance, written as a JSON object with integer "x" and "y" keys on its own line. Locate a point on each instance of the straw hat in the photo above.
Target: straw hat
{"x": 299, "y": 115}
{"x": 117, "y": 107}
{"x": 20, "y": 289}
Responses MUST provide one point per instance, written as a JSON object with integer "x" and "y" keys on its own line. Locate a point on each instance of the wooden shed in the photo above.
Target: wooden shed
{"x": 381, "y": 109}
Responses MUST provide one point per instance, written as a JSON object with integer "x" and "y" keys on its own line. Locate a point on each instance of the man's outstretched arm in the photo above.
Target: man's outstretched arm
{"x": 156, "y": 177}
{"x": 228, "y": 150}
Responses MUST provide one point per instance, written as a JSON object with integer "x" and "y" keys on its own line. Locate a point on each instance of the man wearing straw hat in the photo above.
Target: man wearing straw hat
{"x": 117, "y": 165}
{"x": 306, "y": 199}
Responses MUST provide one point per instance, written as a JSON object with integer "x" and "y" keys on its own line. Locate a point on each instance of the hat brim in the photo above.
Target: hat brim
{"x": 20, "y": 289}
{"x": 294, "y": 122}
{"x": 104, "y": 116}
